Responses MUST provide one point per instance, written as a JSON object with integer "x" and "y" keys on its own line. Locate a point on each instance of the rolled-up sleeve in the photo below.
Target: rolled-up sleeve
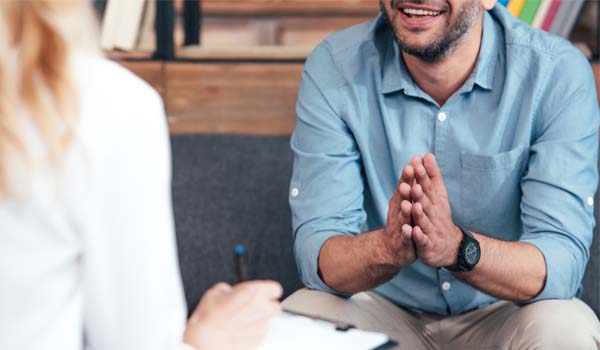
{"x": 326, "y": 190}
{"x": 558, "y": 189}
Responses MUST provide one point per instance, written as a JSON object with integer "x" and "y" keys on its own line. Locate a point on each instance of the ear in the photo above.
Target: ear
{"x": 488, "y": 4}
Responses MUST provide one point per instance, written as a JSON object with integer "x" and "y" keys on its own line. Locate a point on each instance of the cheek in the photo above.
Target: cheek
{"x": 390, "y": 11}
{"x": 455, "y": 4}
{"x": 488, "y": 4}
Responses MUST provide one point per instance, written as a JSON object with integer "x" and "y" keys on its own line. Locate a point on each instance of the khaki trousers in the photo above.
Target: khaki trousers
{"x": 547, "y": 325}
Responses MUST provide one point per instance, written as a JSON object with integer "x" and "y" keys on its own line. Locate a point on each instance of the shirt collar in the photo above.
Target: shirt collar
{"x": 396, "y": 76}
{"x": 483, "y": 74}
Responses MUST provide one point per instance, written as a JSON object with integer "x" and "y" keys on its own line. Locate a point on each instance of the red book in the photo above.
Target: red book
{"x": 550, "y": 16}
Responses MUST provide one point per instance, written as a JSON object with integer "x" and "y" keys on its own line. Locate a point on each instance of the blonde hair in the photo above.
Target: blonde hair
{"x": 36, "y": 41}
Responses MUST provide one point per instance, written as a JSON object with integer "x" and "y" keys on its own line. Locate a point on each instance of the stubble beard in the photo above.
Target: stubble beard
{"x": 441, "y": 46}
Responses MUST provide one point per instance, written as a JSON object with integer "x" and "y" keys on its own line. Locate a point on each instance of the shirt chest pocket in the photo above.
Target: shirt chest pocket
{"x": 491, "y": 191}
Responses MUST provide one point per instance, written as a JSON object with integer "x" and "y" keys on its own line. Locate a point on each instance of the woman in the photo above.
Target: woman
{"x": 87, "y": 249}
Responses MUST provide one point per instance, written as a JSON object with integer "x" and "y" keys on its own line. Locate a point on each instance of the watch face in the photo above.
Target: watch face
{"x": 471, "y": 253}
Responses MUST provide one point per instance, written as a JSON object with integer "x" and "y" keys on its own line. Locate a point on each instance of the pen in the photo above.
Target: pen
{"x": 241, "y": 271}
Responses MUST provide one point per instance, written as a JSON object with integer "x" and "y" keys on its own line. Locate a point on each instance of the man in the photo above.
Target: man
{"x": 485, "y": 239}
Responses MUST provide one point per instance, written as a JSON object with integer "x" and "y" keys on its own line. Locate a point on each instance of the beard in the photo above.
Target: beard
{"x": 438, "y": 47}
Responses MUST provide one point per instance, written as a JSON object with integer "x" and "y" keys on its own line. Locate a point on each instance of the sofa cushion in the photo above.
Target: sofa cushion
{"x": 230, "y": 190}
{"x": 591, "y": 279}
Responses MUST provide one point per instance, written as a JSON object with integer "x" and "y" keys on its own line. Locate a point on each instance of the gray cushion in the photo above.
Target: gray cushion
{"x": 591, "y": 280}
{"x": 230, "y": 190}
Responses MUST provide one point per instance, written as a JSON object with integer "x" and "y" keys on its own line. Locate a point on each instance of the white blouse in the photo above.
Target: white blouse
{"x": 88, "y": 259}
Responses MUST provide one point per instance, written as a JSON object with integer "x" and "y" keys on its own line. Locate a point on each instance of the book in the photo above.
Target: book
{"x": 549, "y": 20}
{"x": 529, "y": 10}
{"x": 110, "y": 24}
{"x": 571, "y": 19}
{"x": 121, "y": 23}
{"x": 560, "y": 17}
{"x": 165, "y": 24}
{"x": 147, "y": 36}
{"x": 541, "y": 14}
{"x": 515, "y": 7}
{"x": 565, "y": 17}
{"x": 129, "y": 24}
{"x": 99, "y": 6}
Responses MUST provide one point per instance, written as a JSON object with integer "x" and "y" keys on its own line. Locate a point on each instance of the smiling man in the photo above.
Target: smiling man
{"x": 445, "y": 163}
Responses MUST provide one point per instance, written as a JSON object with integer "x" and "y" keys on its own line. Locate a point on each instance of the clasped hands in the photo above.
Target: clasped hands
{"x": 419, "y": 222}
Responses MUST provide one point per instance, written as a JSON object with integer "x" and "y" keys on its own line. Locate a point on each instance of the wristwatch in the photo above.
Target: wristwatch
{"x": 468, "y": 253}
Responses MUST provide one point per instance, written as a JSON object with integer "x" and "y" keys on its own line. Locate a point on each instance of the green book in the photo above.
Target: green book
{"x": 529, "y": 10}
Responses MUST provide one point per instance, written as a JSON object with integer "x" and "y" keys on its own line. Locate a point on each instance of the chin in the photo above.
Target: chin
{"x": 416, "y": 41}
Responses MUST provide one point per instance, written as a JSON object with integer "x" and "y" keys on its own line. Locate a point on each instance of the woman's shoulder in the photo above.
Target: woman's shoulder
{"x": 110, "y": 84}
{"x": 120, "y": 114}
{"x": 112, "y": 95}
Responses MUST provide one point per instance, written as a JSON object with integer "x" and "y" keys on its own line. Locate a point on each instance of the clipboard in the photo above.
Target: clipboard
{"x": 298, "y": 331}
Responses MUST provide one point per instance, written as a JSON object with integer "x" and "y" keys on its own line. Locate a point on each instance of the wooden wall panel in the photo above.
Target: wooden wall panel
{"x": 250, "y": 98}
{"x": 286, "y": 31}
{"x": 236, "y": 98}
{"x": 280, "y": 22}
{"x": 150, "y": 71}
{"x": 311, "y": 31}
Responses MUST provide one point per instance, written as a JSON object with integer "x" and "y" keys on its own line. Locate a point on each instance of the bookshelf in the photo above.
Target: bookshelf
{"x": 300, "y": 23}
{"x": 249, "y": 86}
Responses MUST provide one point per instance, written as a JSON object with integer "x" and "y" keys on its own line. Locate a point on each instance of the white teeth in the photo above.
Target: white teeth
{"x": 417, "y": 12}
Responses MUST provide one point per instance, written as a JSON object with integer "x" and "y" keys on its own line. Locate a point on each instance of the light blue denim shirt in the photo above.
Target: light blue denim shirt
{"x": 517, "y": 145}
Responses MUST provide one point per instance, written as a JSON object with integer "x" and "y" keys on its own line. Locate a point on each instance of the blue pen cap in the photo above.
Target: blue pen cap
{"x": 240, "y": 249}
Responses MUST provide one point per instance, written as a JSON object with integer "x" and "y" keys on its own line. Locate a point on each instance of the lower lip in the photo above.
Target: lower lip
{"x": 415, "y": 22}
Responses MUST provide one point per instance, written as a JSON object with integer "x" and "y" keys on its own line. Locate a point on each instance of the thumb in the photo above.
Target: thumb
{"x": 270, "y": 290}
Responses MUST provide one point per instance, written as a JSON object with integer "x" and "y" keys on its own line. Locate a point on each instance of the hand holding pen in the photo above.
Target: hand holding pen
{"x": 234, "y": 317}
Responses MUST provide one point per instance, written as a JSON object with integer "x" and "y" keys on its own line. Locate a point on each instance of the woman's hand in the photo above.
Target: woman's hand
{"x": 233, "y": 318}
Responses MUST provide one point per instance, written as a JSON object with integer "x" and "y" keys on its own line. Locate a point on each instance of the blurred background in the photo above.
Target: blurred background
{"x": 227, "y": 66}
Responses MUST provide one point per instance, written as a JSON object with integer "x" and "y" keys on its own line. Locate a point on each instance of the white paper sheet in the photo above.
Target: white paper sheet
{"x": 291, "y": 332}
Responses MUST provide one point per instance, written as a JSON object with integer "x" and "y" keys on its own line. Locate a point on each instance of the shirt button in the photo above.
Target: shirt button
{"x": 295, "y": 192}
{"x": 590, "y": 201}
{"x": 446, "y": 286}
{"x": 442, "y": 116}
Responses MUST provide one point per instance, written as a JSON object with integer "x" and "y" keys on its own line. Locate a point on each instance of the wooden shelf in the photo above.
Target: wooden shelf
{"x": 128, "y": 55}
{"x": 249, "y": 53}
{"x": 223, "y": 54}
{"x": 227, "y": 8}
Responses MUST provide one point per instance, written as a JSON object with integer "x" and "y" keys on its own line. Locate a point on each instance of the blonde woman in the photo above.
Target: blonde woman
{"x": 87, "y": 249}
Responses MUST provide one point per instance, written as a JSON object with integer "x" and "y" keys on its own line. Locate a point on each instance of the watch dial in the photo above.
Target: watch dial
{"x": 471, "y": 253}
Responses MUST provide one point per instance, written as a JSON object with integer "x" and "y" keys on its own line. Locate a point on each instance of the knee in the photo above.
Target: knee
{"x": 316, "y": 303}
{"x": 554, "y": 324}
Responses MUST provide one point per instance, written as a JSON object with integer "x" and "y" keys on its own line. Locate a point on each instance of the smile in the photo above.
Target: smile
{"x": 417, "y": 12}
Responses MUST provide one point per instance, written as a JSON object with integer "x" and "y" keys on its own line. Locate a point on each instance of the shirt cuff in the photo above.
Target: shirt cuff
{"x": 561, "y": 281}
{"x": 308, "y": 261}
